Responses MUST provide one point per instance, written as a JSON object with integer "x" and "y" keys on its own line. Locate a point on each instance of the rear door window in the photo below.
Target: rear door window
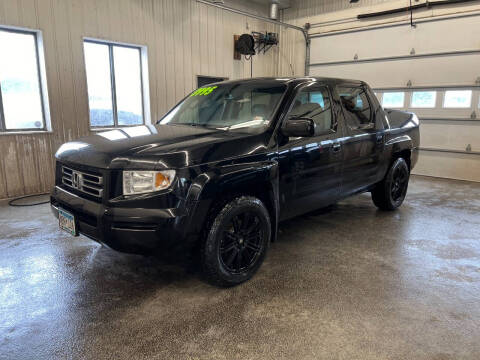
{"x": 356, "y": 106}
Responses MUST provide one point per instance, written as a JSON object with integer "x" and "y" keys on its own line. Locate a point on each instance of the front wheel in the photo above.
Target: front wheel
{"x": 236, "y": 242}
{"x": 390, "y": 192}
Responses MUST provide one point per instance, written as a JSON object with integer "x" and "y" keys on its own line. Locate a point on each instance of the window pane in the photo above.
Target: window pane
{"x": 247, "y": 106}
{"x": 356, "y": 105}
{"x": 128, "y": 85}
{"x": 19, "y": 80}
{"x": 393, "y": 99}
{"x": 457, "y": 99}
{"x": 424, "y": 99}
{"x": 314, "y": 104}
{"x": 97, "y": 63}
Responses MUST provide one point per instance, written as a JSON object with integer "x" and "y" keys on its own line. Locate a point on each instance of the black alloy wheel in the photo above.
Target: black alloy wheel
{"x": 242, "y": 242}
{"x": 391, "y": 191}
{"x": 399, "y": 184}
{"x": 236, "y": 241}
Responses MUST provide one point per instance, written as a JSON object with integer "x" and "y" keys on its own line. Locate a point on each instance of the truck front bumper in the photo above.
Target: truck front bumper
{"x": 131, "y": 230}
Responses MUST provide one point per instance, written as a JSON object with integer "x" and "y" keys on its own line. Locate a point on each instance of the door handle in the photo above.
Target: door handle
{"x": 379, "y": 139}
{"x": 336, "y": 147}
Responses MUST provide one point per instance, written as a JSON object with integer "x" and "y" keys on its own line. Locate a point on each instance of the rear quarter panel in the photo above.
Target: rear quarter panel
{"x": 403, "y": 133}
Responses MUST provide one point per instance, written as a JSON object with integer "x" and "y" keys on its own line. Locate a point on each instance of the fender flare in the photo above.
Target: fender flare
{"x": 246, "y": 178}
{"x": 400, "y": 143}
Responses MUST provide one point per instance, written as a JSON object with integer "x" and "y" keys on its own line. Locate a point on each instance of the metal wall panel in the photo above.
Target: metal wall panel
{"x": 184, "y": 39}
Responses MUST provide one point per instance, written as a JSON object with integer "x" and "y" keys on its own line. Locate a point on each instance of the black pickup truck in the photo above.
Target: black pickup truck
{"x": 217, "y": 173}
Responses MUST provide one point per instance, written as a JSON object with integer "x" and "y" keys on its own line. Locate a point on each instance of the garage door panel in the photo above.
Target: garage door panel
{"x": 455, "y": 135}
{"x": 447, "y": 70}
{"x": 446, "y": 57}
{"x": 426, "y": 38}
{"x": 448, "y": 165}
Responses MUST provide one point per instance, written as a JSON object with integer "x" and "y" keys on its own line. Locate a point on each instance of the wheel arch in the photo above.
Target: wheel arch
{"x": 401, "y": 148}
{"x": 211, "y": 191}
{"x": 405, "y": 154}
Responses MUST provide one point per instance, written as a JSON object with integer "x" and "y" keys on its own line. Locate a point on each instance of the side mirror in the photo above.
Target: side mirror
{"x": 298, "y": 127}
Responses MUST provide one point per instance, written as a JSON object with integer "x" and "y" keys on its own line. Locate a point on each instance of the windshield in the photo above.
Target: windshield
{"x": 229, "y": 106}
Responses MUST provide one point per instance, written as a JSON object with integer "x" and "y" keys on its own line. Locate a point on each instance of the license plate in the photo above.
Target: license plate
{"x": 66, "y": 221}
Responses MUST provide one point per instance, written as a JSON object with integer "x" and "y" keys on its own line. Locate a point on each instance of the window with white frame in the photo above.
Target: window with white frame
{"x": 423, "y": 99}
{"x": 23, "y": 98}
{"x": 393, "y": 99}
{"x": 115, "y": 81}
{"x": 461, "y": 102}
{"x": 457, "y": 99}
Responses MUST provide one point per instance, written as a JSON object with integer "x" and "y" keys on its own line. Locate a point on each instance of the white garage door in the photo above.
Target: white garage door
{"x": 432, "y": 70}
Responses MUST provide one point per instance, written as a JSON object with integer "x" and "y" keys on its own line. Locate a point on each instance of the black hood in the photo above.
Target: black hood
{"x": 159, "y": 147}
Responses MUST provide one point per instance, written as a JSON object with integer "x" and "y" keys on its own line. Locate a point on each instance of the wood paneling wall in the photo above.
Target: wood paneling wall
{"x": 184, "y": 39}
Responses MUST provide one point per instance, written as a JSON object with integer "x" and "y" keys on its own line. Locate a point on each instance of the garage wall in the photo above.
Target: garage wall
{"x": 183, "y": 38}
{"x": 441, "y": 53}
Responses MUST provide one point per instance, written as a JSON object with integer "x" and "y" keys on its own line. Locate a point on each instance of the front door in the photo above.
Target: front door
{"x": 310, "y": 167}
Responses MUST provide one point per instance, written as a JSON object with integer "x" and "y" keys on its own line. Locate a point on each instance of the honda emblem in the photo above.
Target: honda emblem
{"x": 77, "y": 180}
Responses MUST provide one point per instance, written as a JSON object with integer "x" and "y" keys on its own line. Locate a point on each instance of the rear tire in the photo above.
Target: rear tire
{"x": 390, "y": 192}
{"x": 236, "y": 242}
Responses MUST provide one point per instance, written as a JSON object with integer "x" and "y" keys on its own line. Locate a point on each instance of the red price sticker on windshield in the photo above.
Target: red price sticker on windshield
{"x": 204, "y": 91}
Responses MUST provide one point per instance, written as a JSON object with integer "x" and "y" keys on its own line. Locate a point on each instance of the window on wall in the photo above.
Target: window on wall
{"x": 457, "y": 99}
{"x": 115, "y": 84}
{"x": 423, "y": 99}
{"x": 393, "y": 99}
{"x": 434, "y": 101}
{"x": 22, "y": 100}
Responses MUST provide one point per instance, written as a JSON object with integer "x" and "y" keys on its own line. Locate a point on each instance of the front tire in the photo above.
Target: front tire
{"x": 391, "y": 191}
{"x": 236, "y": 242}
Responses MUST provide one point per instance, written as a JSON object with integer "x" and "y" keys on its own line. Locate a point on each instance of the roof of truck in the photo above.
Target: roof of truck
{"x": 295, "y": 80}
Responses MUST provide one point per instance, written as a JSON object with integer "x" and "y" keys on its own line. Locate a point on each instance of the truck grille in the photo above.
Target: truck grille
{"x": 90, "y": 184}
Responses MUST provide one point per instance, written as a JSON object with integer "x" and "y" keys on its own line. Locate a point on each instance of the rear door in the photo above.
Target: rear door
{"x": 364, "y": 144}
{"x": 310, "y": 167}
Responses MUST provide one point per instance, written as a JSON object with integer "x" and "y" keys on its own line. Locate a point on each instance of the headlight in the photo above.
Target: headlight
{"x": 141, "y": 182}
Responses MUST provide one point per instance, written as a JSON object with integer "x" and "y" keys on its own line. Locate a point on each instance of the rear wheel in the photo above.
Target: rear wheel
{"x": 236, "y": 242}
{"x": 390, "y": 192}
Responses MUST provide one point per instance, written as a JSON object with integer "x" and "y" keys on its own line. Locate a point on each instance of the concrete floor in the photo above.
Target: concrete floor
{"x": 346, "y": 283}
